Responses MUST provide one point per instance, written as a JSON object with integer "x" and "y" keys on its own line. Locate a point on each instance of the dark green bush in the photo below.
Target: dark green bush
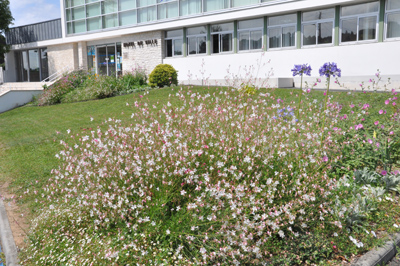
{"x": 163, "y": 75}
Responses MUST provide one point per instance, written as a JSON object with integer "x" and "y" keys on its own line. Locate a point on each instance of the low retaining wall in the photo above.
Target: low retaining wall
{"x": 12, "y": 99}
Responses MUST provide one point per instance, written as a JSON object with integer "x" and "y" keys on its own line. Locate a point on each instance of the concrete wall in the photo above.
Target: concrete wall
{"x": 82, "y": 55}
{"x": 14, "y": 99}
{"x": 356, "y": 62}
{"x": 146, "y": 56}
{"x": 61, "y": 56}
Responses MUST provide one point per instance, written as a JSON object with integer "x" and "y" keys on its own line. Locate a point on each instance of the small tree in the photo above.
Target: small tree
{"x": 6, "y": 19}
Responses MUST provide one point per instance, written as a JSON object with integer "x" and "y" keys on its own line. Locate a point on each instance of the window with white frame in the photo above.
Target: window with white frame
{"x": 359, "y": 22}
{"x": 317, "y": 27}
{"x": 211, "y": 5}
{"x": 190, "y": 7}
{"x": 282, "y": 31}
{"x": 392, "y": 19}
{"x": 250, "y": 34}
{"x": 196, "y": 40}
{"x": 173, "y": 43}
{"x": 222, "y": 38}
{"x": 167, "y": 9}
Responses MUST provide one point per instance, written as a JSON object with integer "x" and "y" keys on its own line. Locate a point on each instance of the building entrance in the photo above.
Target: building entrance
{"x": 109, "y": 59}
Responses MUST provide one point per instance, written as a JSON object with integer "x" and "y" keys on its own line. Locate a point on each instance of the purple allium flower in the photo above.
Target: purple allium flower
{"x": 330, "y": 69}
{"x": 301, "y": 69}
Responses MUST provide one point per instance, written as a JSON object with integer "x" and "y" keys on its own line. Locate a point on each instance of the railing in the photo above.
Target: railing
{"x": 57, "y": 75}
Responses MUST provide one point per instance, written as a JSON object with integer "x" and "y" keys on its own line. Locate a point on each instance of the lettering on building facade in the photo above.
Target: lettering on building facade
{"x": 141, "y": 44}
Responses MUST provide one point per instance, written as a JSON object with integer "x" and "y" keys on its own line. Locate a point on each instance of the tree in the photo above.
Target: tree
{"x": 6, "y": 19}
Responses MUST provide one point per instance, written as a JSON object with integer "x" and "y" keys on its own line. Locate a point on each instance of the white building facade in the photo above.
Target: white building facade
{"x": 209, "y": 40}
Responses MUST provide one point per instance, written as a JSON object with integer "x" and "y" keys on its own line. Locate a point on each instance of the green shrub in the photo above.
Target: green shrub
{"x": 163, "y": 75}
{"x": 135, "y": 78}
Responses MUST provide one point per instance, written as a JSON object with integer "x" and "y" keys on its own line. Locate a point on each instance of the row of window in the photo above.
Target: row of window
{"x": 91, "y": 15}
{"x": 358, "y": 23}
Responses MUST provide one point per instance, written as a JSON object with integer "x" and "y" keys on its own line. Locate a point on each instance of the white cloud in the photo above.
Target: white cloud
{"x": 28, "y": 11}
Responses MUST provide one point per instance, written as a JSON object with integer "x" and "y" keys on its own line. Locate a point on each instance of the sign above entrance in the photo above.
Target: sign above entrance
{"x": 140, "y": 43}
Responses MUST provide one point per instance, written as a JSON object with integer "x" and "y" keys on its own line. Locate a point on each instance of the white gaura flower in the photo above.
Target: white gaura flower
{"x": 168, "y": 232}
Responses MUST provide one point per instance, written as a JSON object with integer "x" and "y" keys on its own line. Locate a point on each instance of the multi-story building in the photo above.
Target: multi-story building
{"x": 211, "y": 39}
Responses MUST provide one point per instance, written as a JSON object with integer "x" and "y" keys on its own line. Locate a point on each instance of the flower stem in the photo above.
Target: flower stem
{"x": 326, "y": 100}
{"x": 301, "y": 92}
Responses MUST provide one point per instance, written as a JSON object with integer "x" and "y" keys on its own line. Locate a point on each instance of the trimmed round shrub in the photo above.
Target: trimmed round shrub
{"x": 163, "y": 75}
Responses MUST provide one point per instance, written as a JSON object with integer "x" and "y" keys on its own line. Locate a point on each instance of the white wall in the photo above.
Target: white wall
{"x": 13, "y": 99}
{"x": 355, "y": 61}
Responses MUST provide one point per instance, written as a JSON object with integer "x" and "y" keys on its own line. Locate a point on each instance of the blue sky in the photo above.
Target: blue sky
{"x": 32, "y": 11}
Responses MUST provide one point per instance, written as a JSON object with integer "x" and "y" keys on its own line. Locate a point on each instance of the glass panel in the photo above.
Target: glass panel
{"x": 44, "y": 64}
{"x": 142, "y": 3}
{"x": 285, "y": 19}
{"x": 102, "y": 60}
{"x": 94, "y": 24}
{"x": 68, "y": 15}
{"x": 349, "y": 30}
{"x": 393, "y": 25}
{"x": 147, "y": 14}
{"x": 226, "y": 40}
{"x": 360, "y": 9}
{"x": 78, "y": 13}
{"x": 192, "y": 45}
{"x": 119, "y": 59}
{"x": 256, "y": 39}
{"x": 77, "y": 2}
{"x": 309, "y": 37}
{"x": 127, "y": 18}
{"x": 126, "y": 4}
{"x": 25, "y": 65}
{"x": 222, "y": 27}
{"x": 196, "y": 30}
{"x": 70, "y": 30}
{"x": 325, "y": 32}
{"x": 367, "y": 28}
{"x": 274, "y": 37}
{"x": 67, "y": 3}
{"x": 93, "y": 10}
{"x": 288, "y": 36}
{"x": 173, "y": 33}
{"x": 168, "y": 48}
{"x": 202, "y": 44}
{"x": 91, "y": 1}
{"x": 393, "y": 4}
{"x": 248, "y": 24}
{"x": 111, "y": 60}
{"x": 34, "y": 70}
{"x": 215, "y": 43}
{"x": 211, "y": 5}
{"x": 236, "y": 3}
{"x": 110, "y": 6}
{"x": 169, "y": 10}
{"x": 320, "y": 14}
{"x": 190, "y": 7}
{"x": 244, "y": 43}
{"x": 78, "y": 26}
{"x": 110, "y": 21}
{"x": 91, "y": 59}
{"x": 178, "y": 47}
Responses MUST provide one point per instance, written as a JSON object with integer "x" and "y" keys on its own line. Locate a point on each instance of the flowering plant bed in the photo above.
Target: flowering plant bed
{"x": 217, "y": 176}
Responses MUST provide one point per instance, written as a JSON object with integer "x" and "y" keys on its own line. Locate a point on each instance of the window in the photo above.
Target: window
{"x": 168, "y": 10}
{"x": 196, "y": 40}
{"x": 359, "y": 22}
{"x": 211, "y": 5}
{"x": 221, "y": 38}
{"x": 236, "y": 3}
{"x": 173, "y": 43}
{"x": 250, "y": 34}
{"x": 190, "y": 7}
{"x": 393, "y": 19}
{"x": 317, "y": 27}
{"x": 282, "y": 31}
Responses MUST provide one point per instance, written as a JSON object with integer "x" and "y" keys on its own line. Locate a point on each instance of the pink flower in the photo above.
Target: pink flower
{"x": 370, "y": 141}
{"x": 376, "y": 123}
{"x": 351, "y": 105}
{"x": 380, "y": 111}
{"x": 383, "y": 172}
{"x": 387, "y": 102}
{"x": 325, "y": 158}
{"x": 308, "y": 90}
{"x": 391, "y": 133}
{"x": 394, "y": 103}
{"x": 382, "y": 126}
{"x": 324, "y": 93}
{"x": 141, "y": 96}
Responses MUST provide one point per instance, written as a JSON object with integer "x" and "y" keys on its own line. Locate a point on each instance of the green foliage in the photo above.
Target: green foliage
{"x": 135, "y": 78}
{"x": 163, "y": 75}
{"x": 6, "y": 19}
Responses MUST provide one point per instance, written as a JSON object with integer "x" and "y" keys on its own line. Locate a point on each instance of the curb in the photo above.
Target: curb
{"x": 7, "y": 239}
{"x": 381, "y": 255}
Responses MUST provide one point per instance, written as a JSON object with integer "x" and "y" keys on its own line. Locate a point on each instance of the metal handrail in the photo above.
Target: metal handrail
{"x": 57, "y": 75}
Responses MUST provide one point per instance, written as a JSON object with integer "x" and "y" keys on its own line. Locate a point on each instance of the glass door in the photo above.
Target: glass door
{"x": 107, "y": 60}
